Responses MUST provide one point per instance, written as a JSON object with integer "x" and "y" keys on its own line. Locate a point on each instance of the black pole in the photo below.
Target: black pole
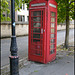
{"x": 14, "y": 69}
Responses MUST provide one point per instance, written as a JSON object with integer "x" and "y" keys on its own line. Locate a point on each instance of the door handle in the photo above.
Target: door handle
{"x": 42, "y": 31}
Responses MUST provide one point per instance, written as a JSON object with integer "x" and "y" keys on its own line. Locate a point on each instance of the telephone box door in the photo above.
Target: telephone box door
{"x": 36, "y": 39}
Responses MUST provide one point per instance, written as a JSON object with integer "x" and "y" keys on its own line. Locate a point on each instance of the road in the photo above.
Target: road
{"x": 22, "y": 44}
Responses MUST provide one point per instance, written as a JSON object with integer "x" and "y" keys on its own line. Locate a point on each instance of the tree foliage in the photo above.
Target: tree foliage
{"x": 62, "y": 10}
{"x": 66, "y": 13}
{"x": 5, "y": 7}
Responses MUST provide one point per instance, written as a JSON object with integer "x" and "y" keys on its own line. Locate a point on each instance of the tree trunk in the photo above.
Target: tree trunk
{"x": 67, "y": 27}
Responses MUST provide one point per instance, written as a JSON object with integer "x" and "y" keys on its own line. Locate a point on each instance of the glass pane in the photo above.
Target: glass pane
{"x": 19, "y": 17}
{"x": 36, "y": 24}
{"x": 52, "y": 19}
{"x": 52, "y": 40}
{"x": 52, "y": 46}
{"x": 35, "y": 19}
{"x": 53, "y": 14}
{"x": 36, "y": 30}
{"x": 23, "y": 18}
{"x": 52, "y": 51}
{"x": 52, "y": 24}
{"x": 52, "y": 35}
{"x": 36, "y": 35}
{"x": 35, "y": 40}
{"x": 52, "y": 30}
{"x": 37, "y": 13}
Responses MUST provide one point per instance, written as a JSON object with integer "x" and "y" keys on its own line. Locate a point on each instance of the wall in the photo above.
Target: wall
{"x": 62, "y": 27}
{"x": 21, "y": 29}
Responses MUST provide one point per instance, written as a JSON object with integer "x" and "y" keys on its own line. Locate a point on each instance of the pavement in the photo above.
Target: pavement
{"x": 63, "y": 65}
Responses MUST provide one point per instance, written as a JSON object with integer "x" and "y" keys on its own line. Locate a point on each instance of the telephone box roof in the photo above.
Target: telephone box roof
{"x": 52, "y": 1}
{"x": 43, "y": 0}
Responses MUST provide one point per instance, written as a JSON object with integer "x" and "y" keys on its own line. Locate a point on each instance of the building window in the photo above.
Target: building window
{"x": 27, "y": 8}
{"x": 3, "y": 15}
{"x": 20, "y": 6}
{"x": 23, "y": 6}
{"x": 27, "y": 5}
{"x": 28, "y": 18}
{"x": 21, "y": 18}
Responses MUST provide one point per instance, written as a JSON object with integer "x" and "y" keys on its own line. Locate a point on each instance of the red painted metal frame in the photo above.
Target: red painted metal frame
{"x": 46, "y": 56}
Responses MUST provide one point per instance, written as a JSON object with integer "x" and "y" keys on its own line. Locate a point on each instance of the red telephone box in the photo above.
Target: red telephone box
{"x": 42, "y": 30}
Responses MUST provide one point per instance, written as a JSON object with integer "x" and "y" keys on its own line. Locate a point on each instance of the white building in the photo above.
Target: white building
{"x": 20, "y": 16}
{"x": 23, "y": 14}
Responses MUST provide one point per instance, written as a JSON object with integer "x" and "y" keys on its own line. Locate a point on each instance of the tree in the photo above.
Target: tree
{"x": 65, "y": 12}
{"x": 5, "y": 7}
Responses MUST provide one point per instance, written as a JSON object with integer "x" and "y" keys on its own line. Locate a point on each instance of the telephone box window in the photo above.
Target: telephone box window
{"x": 52, "y": 24}
{"x": 52, "y": 35}
{"x": 36, "y": 19}
{"x": 37, "y": 13}
{"x": 52, "y": 30}
{"x": 52, "y": 40}
{"x": 53, "y": 14}
{"x": 52, "y": 46}
{"x": 52, "y": 51}
{"x": 36, "y": 30}
{"x": 36, "y": 35}
{"x": 36, "y": 24}
{"x": 36, "y": 40}
{"x": 52, "y": 19}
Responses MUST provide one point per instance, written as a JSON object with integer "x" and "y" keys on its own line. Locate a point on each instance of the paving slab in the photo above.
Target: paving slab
{"x": 63, "y": 65}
